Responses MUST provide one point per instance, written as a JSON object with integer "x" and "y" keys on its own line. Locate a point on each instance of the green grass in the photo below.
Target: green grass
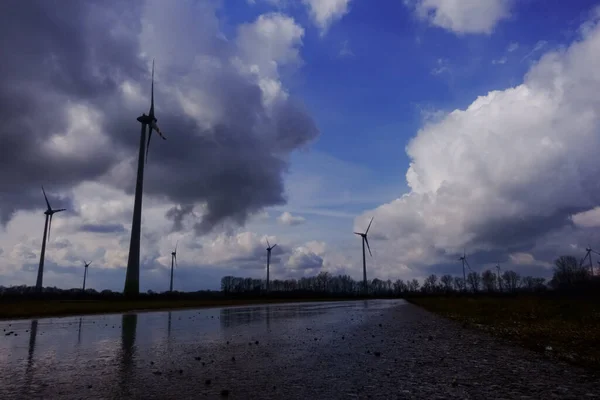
{"x": 58, "y": 308}
{"x": 569, "y": 325}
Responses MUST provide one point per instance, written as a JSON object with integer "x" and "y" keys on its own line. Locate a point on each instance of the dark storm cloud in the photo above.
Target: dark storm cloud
{"x": 59, "y": 53}
{"x": 102, "y": 228}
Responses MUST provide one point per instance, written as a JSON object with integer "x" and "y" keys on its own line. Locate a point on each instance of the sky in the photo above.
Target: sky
{"x": 458, "y": 126}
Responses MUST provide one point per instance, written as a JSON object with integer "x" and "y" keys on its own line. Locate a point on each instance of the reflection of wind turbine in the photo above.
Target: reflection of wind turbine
{"x": 86, "y": 265}
{"x": 128, "y": 331}
{"x": 365, "y": 240}
{"x": 173, "y": 260}
{"x": 269, "y": 260}
{"x": 47, "y": 226}
{"x": 588, "y": 254}
{"x": 79, "y": 332}
{"x": 30, "y": 354}
{"x": 132, "y": 278}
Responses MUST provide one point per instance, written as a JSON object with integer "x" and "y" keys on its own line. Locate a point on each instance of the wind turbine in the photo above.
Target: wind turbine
{"x": 365, "y": 240}
{"x": 173, "y": 260}
{"x": 588, "y": 254}
{"x": 499, "y": 278}
{"x": 86, "y": 265}
{"x": 269, "y": 260}
{"x": 464, "y": 261}
{"x": 47, "y": 226}
{"x": 132, "y": 277}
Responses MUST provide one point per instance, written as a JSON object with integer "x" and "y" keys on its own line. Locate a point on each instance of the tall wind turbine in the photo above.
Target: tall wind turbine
{"x": 132, "y": 277}
{"x": 47, "y": 226}
{"x": 588, "y": 254}
{"x": 269, "y": 260}
{"x": 365, "y": 240}
{"x": 173, "y": 260}
{"x": 85, "y": 265}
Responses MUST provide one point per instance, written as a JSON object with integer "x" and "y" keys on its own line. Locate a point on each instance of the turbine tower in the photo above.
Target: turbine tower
{"x": 365, "y": 240}
{"x": 47, "y": 226}
{"x": 269, "y": 260}
{"x": 588, "y": 254}
{"x": 132, "y": 277}
{"x": 86, "y": 265}
{"x": 173, "y": 261}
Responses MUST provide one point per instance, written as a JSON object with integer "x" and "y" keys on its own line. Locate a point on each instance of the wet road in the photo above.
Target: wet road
{"x": 375, "y": 349}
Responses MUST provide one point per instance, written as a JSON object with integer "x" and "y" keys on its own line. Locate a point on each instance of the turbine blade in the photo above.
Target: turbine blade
{"x": 90, "y": 263}
{"x": 369, "y": 227}
{"x": 176, "y": 243}
{"x": 175, "y": 260}
{"x": 148, "y": 144}
{"x": 268, "y": 244}
{"x": 595, "y": 252}
{"x": 368, "y": 247}
{"x": 273, "y": 246}
{"x": 152, "y": 93}
{"x": 46, "y": 197}
{"x": 359, "y": 234}
{"x": 49, "y": 228}
{"x": 468, "y": 266}
{"x": 59, "y": 210}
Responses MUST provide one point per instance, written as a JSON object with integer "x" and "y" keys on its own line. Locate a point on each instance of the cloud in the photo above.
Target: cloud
{"x": 102, "y": 228}
{"x": 512, "y": 47}
{"x": 69, "y": 102}
{"x": 462, "y": 17}
{"x": 304, "y": 261}
{"x": 288, "y": 219}
{"x": 507, "y": 172}
{"x": 325, "y": 12}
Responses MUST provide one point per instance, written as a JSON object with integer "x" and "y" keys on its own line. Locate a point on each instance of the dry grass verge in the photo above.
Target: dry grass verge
{"x": 563, "y": 327}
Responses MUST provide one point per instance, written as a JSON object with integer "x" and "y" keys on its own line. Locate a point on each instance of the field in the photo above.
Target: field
{"x": 29, "y": 308}
{"x": 565, "y": 327}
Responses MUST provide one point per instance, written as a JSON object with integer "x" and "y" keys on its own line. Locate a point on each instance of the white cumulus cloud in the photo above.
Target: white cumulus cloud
{"x": 462, "y": 16}
{"x": 287, "y": 218}
{"x": 506, "y": 171}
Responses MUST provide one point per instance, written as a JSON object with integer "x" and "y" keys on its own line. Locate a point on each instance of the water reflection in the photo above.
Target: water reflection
{"x": 232, "y": 317}
{"x": 169, "y": 326}
{"x": 128, "y": 332}
{"x": 79, "y": 332}
{"x": 31, "y": 350}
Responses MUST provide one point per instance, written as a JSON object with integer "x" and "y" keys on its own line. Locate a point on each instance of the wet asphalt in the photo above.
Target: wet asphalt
{"x": 376, "y": 349}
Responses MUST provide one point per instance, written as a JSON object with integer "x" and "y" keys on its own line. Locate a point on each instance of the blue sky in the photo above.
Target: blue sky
{"x": 452, "y": 123}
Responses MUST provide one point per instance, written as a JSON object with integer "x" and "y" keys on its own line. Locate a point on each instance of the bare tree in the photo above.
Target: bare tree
{"x": 512, "y": 280}
{"x": 488, "y": 279}
{"x": 474, "y": 280}
{"x": 447, "y": 281}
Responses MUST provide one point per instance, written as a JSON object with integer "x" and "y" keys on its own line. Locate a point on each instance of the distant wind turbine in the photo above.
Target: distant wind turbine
{"x": 47, "y": 226}
{"x": 365, "y": 240}
{"x": 173, "y": 261}
{"x": 269, "y": 260}
{"x": 132, "y": 277}
{"x": 85, "y": 265}
{"x": 464, "y": 261}
{"x": 499, "y": 278}
{"x": 588, "y": 254}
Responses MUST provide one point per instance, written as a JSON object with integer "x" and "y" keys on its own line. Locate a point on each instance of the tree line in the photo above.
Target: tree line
{"x": 568, "y": 274}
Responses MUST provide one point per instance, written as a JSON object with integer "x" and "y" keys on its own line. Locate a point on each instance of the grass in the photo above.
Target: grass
{"x": 570, "y": 326}
{"x": 60, "y": 308}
